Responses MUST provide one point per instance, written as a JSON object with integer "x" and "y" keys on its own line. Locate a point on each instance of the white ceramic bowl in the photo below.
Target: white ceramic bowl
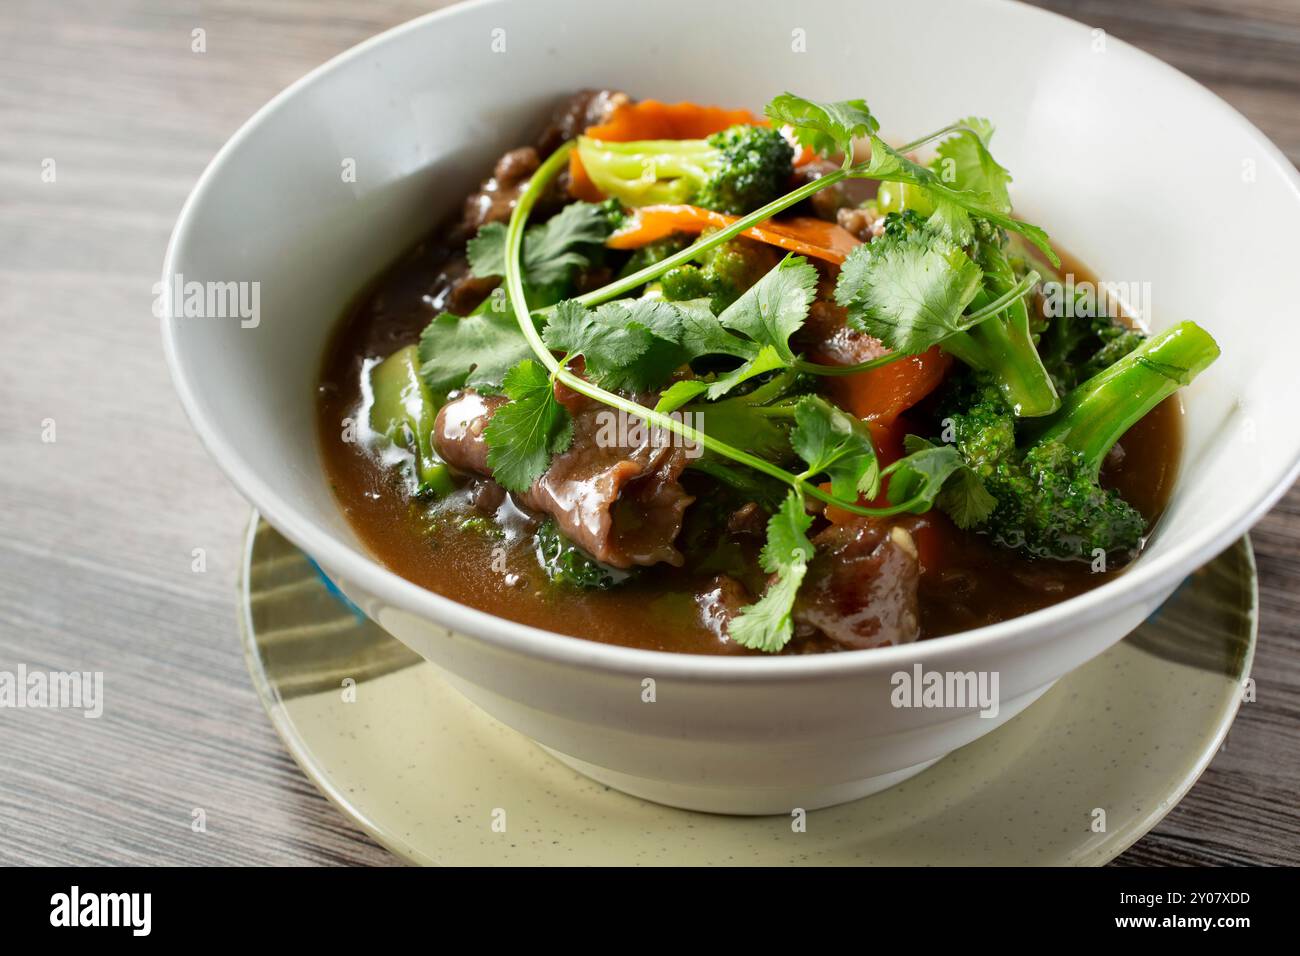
{"x": 1130, "y": 165}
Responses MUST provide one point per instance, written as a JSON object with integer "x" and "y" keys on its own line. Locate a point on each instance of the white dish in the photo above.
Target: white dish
{"x": 1143, "y": 174}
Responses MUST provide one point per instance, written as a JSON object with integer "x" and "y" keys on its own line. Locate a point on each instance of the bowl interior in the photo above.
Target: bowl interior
{"x": 1133, "y": 168}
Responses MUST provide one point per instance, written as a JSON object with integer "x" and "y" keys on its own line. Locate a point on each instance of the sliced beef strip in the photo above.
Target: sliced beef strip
{"x": 495, "y": 199}
{"x": 458, "y": 430}
{"x": 861, "y": 587}
{"x": 585, "y": 108}
{"x": 620, "y": 502}
{"x": 827, "y": 338}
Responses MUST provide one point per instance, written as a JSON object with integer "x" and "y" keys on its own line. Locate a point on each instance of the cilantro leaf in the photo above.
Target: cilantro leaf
{"x": 964, "y": 162}
{"x": 768, "y": 359}
{"x": 552, "y": 250}
{"x": 908, "y": 287}
{"x": 525, "y": 432}
{"x": 680, "y": 393}
{"x": 828, "y": 128}
{"x": 742, "y": 423}
{"x": 767, "y": 624}
{"x": 702, "y": 334}
{"x": 937, "y": 474}
{"x": 888, "y": 164}
{"x": 472, "y": 351}
{"x": 629, "y": 344}
{"x": 838, "y": 445}
{"x": 775, "y": 306}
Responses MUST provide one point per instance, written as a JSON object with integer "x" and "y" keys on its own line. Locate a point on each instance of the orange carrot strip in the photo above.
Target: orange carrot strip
{"x": 801, "y": 234}
{"x": 881, "y": 394}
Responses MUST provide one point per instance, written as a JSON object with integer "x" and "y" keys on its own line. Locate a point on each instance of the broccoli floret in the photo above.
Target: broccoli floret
{"x": 1078, "y": 346}
{"x": 755, "y": 164}
{"x": 653, "y": 252}
{"x": 1050, "y": 503}
{"x": 1049, "y": 500}
{"x": 563, "y": 562}
{"x": 735, "y": 171}
{"x": 723, "y": 274}
{"x": 984, "y": 430}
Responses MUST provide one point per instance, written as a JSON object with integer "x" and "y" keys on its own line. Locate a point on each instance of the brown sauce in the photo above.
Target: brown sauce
{"x": 973, "y": 584}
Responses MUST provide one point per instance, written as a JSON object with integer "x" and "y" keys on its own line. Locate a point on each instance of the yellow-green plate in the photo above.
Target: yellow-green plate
{"x": 1075, "y": 779}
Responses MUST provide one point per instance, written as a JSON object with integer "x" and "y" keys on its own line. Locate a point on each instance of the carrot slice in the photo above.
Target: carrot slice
{"x": 880, "y": 395}
{"x": 802, "y": 234}
{"x": 652, "y": 119}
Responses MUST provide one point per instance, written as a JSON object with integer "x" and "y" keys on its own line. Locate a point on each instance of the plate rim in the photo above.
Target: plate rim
{"x": 1105, "y": 852}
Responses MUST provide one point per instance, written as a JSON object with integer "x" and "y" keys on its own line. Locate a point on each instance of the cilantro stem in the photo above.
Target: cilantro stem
{"x": 1017, "y": 291}
{"x": 812, "y": 368}
{"x": 515, "y": 291}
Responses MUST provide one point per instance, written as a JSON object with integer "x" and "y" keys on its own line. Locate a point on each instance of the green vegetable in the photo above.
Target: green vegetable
{"x": 1048, "y": 497}
{"x": 554, "y": 250}
{"x": 911, "y": 286}
{"x": 1077, "y": 346}
{"x": 722, "y": 276}
{"x": 1096, "y": 414}
{"x": 563, "y": 562}
{"x": 837, "y": 445}
{"x": 938, "y": 475}
{"x": 525, "y": 432}
{"x": 774, "y": 308}
{"x": 403, "y": 410}
{"x": 828, "y": 128}
{"x": 473, "y": 351}
{"x": 963, "y": 162}
{"x": 832, "y": 127}
{"x": 632, "y": 345}
{"x": 734, "y": 171}
{"x": 653, "y": 253}
{"x": 767, "y": 625}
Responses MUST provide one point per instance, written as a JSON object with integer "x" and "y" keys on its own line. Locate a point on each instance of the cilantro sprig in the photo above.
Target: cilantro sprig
{"x": 768, "y": 623}
{"x": 526, "y": 431}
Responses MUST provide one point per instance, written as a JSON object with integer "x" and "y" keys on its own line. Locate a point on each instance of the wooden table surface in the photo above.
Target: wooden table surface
{"x": 98, "y": 528}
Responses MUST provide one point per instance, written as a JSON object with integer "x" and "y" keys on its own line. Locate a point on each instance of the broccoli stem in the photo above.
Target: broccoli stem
{"x": 1003, "y": 345}
{"x": 1098, "y": 412}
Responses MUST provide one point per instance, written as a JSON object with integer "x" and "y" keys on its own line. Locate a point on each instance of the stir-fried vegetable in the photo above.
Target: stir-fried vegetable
{"x": 802, "y": 234}
{"x": 733, "y": 171}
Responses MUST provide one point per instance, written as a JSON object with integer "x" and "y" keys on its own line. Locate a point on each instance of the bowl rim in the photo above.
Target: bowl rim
{"x": 1143, "y": 581}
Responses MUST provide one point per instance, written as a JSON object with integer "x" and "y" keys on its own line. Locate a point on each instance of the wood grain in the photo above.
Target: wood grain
{"x": 98, "y": 528}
